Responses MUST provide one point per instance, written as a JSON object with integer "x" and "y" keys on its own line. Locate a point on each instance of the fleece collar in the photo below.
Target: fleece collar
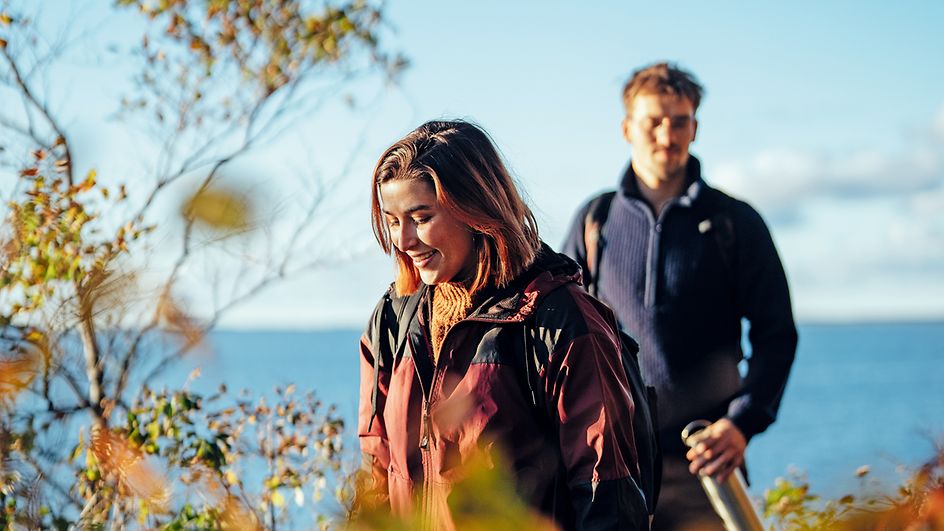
{"x": 629, "y": 185}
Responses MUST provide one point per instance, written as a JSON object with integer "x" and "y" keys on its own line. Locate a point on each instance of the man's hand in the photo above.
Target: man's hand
{"x": 719, "y": 451}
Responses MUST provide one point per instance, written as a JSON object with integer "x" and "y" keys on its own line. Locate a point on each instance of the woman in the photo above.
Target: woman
{"x": 485, "y": 344}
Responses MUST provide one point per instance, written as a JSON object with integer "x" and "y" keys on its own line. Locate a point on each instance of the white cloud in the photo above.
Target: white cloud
{"x": 874, "y": 259}
{"x": 930, "y": 204}
{"x": 937, "y": 127}
{"x": 783, "y": 178}
{"x": 861, "y": 232}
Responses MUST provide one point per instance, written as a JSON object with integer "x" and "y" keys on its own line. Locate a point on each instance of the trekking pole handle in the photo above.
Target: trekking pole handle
{"x": 729, "y": 497}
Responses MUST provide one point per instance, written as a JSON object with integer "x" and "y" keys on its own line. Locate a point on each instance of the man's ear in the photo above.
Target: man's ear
{"x": 694, "y": 128}
{"x": 627, "y": 135}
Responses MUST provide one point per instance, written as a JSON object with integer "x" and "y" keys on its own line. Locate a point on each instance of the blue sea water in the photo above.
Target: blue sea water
{"x": 860, "y": 394}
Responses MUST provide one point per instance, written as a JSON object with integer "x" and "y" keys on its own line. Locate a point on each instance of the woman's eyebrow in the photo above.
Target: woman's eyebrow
{"x": 410, "y": 210}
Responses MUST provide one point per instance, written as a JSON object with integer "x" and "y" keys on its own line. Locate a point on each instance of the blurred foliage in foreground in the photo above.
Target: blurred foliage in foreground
{"x": 94, "y": 277}
{"x": 484, "y": 499}
{"x": 916, "y": 505}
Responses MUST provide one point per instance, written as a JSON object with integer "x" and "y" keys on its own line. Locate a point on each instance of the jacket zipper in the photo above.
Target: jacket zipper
{"x": 425, "y": 432}
{"x": 652, "y": 253}
{"x": 426, "y": 425}
{"x": 652, "y": 257}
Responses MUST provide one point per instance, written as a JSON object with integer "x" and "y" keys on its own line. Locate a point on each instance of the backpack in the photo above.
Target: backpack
{"x": 714, "y": 204}
{"x": 645, "y": 420}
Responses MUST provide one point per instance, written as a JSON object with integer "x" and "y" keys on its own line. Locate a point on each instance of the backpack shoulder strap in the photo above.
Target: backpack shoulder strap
{"x": 598, "y": 210}
{"x": 390, "y": 337}
{"x": 404, "y": 310}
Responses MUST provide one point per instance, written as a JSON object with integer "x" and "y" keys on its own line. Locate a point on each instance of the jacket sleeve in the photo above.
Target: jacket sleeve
{"x": 590, "y": 399}
{"x": 371, "y": 430}
{"x": 763, "y": 297}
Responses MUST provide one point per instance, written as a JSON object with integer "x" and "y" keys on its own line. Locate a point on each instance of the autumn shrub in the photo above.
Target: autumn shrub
{"x": 916, "y": 504}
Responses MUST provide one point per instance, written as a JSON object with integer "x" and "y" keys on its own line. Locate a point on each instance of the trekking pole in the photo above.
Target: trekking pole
{"x": 729, "y": 497}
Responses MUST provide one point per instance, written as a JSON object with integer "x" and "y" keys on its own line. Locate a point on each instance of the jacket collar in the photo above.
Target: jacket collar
{"x": 518, "y": 300}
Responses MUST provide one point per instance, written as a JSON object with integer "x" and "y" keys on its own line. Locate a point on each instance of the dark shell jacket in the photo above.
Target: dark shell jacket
{"x": 565, "y": 433}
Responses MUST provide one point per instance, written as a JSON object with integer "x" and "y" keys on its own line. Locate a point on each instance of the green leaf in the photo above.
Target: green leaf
{"x": 76, "y": 451}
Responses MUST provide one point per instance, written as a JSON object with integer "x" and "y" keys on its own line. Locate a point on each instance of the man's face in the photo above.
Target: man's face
{"x": 660, "y": 127}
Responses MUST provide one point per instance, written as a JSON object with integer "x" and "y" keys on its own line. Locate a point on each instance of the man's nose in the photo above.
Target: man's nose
{"x": 664, "y": 133}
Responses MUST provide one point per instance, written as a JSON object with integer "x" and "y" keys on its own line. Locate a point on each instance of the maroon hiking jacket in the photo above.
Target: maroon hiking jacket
{"x": 565, "y": 432}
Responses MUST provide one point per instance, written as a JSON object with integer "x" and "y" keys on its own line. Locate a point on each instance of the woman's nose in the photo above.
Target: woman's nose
{"x": 406, "y": 236}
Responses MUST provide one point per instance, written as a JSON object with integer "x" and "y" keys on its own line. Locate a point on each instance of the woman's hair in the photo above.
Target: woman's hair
{"x": 462, "y": 165}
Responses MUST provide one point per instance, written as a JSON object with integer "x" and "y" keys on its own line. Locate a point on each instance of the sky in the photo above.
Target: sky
{"x": 827, "y": 117}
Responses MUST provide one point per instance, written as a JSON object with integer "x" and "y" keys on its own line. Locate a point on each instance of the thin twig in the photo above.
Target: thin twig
{"x": 27, "y": 93}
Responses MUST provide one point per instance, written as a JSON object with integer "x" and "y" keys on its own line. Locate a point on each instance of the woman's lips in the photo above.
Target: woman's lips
{"x": 421, "y": 260}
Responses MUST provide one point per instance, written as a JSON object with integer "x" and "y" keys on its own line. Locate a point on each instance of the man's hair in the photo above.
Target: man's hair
{"x": 471, "y": 183}
{"x": 662, "y": 78}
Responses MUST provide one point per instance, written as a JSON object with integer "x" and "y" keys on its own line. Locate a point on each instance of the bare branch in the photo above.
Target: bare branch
{"x": 27, "y": 93}
{"x": 50, "y": 481}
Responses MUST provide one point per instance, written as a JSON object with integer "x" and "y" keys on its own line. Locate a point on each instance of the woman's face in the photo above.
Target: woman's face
{"x": 439, "y": 245}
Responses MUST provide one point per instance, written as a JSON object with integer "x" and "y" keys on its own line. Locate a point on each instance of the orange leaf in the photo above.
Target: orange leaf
{"x": 175, "y": 320}
{"x": 15, "y": 375}
{"x": 128, "y": 466}
{"x": 235, "y": 515}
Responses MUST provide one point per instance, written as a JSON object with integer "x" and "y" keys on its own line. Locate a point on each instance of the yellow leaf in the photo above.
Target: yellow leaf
{"x": 89, "y": 181}
{"x": 219, "y": 209}
{"x": 277, "y": 499}
{"x": 5, "y": 19}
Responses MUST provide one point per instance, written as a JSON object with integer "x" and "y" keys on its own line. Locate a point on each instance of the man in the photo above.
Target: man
{"x": 682, "y": 264}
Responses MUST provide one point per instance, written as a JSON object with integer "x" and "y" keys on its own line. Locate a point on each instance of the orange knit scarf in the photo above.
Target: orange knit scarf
{"x": 451, "y": 304}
